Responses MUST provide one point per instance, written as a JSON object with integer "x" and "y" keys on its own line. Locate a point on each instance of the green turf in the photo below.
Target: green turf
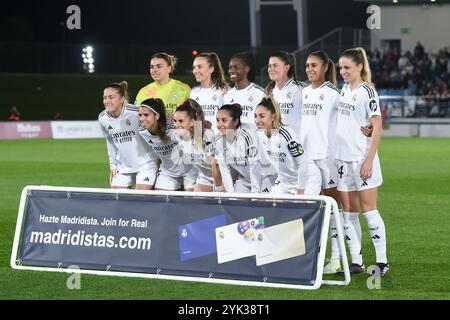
{"x": 414, "y": 203}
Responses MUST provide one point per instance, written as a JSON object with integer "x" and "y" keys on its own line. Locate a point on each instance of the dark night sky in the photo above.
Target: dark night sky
{"x": 169, "y": 22}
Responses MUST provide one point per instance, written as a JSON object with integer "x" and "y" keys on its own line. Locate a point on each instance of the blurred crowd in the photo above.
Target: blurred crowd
{"x": 427, "y": 73}
{"x": 421, "y": 73}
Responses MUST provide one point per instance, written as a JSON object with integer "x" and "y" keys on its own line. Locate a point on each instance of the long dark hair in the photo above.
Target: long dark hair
{"x": 234, "y": 110}
{"x": 289, "y": 59}
{"x": 218, "y": 77}
{"x": 330, "y": 75}
{"x": 158, "y": 105}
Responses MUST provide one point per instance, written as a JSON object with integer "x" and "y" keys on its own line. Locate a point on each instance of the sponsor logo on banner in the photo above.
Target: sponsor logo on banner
{"x": 76, "y": 129}
{"x": 25, "y": 130}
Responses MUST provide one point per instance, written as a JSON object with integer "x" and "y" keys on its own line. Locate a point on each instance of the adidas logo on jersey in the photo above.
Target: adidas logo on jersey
{"x": 147, "y": 179}
{"x": 364, "y": 184}
{"x": 196, "y": 99}
{"x": 110, "y": 128}
{"x": 331, "y": 182}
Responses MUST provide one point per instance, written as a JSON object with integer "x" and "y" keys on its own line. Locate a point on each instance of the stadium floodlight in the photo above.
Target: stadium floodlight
{"x": 88, "y": 59}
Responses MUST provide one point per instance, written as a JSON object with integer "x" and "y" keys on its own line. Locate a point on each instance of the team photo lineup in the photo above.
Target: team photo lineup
{"x": 290, "y": 137}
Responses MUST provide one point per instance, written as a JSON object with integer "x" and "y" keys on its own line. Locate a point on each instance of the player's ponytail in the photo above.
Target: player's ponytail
{"x": 171, "y": 60}
{"x": 359, "y": 56}
{"x": 288, "y": 59}
{"x": 121, "y": 87}
{"x": 218, "y": 76}
{"x": 330, "y": 75}
{"x": 273, "y": 107}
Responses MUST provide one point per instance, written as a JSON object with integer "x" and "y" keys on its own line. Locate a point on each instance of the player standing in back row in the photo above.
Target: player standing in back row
{"x": 285, "y": 88}
{"x": 245, "y": 91}
{"x": 358, "y": 165}
{"x": 208, "y": 72}
{"x": 172, "y": 92}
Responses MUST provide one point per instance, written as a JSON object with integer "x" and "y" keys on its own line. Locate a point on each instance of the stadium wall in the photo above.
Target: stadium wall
{"x": 428, "y": 24}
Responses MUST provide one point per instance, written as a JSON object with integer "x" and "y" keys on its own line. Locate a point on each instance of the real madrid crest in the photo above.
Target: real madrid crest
{"x": 250, "y": 98}
{"x": 128, "y": 122}
{"x": 289, "y": 95}
{"x": 354, "y": 97}
{"x": 215, "y": 97}
{"x": 322, "y": 96}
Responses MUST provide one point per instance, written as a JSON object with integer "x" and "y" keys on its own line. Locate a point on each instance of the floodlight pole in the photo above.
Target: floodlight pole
{"x": 299, "y": 6}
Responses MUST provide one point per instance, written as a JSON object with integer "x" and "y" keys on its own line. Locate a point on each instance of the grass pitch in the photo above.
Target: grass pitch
{"x": 414, "y": 202}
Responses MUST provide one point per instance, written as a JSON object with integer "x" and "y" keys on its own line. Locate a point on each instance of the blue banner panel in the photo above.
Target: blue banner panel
{"x": 236, "y": 239}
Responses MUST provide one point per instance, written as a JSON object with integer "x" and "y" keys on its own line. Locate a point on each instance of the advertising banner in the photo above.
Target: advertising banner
{"x": 25, "y": 130}
{"x": 76, "y": 129}
{"x": 237, "y": 239}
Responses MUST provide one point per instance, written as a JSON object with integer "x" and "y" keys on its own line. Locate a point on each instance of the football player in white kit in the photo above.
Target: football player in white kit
{"x": 196, "y": 141}
{"x": 208, "y": 72}
{"x": 285, "y": 88}
{"x": 358, "y": 165}
{"x": 281, "y": 145}
{"x": 243, "y": 167}
{"x": 130, "y": 158}
{"x": 245, "y": 91}
{"x": 173, "y": 171}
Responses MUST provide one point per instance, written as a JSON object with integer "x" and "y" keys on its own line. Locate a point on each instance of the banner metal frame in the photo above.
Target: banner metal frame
{"x": 330, "y": 204}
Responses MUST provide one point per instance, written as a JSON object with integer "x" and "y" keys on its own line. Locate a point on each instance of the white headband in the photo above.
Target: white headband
{"x": 146, "y": 106}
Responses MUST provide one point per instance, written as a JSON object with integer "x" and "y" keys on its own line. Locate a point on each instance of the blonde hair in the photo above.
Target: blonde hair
{"x": 270, "y": 104}
{"x": 359, "y": 56}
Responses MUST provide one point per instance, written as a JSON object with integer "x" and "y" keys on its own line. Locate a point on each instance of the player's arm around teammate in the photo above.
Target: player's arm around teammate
{"x": 238, "y": 156}
{"x": 280, "y": 145}
{"x": 358, "y": 163}
{"x": 173, "y": 172}
{"x": 196, "y": 141}
{"x": 131, "y": 160}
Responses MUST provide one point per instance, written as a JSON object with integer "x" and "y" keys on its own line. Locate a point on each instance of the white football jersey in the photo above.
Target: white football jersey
{"x": 210, "y": 99}
{"x": 196, "y": 155}
{"x": 318, "y": 121}
{"x": 169, "y": 152}
{"x": 290, "y": 100}
{"x": 285, "y": 153}
{"x": 356, "y": 107}
{"x": 127, "y": 151}
{"x": 244, "y": 156}
{"x": 248, "y": 98}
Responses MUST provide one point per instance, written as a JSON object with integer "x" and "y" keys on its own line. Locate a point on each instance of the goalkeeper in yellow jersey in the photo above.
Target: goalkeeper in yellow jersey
{"x": 172, "y": 92}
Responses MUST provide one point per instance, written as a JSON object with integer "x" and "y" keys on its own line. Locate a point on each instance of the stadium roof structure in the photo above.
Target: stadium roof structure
{"x": 404, "y": 2}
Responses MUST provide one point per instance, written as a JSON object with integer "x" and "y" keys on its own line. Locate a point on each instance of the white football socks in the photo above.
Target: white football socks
{"x": 335, "y": 253}
{"x": 378, "y": 234}
{"x": 351, "y": 227}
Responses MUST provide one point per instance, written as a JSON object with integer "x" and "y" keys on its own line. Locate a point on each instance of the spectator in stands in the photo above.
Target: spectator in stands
{"x": 419, "y": 51}
{"x": 14, "y": 114}
{"x": 57, "y": 116}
